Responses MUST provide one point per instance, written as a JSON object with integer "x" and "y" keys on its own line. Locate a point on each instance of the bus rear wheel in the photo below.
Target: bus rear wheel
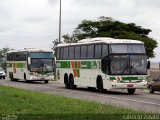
{"x": 11, "y": 77}
{"x": 66, "y": 83}
{"x": 131, "y": 91}
{"x": 71, "y": 82}
{"x": 151, "y": 89}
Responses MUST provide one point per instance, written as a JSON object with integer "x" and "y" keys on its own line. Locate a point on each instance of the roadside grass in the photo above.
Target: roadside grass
{"x": 31, "y": 104}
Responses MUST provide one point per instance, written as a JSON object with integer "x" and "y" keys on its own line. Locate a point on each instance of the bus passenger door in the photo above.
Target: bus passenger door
{"x": 105, "y": 72}
{"x": 105, "y": 65}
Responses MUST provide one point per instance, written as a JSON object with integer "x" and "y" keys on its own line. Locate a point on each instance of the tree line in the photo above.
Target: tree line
{"x": 108, "y": 27}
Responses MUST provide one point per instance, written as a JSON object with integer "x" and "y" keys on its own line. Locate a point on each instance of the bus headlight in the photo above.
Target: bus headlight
{"x": 143, "y": 80}
{"x": 114, "y": 81}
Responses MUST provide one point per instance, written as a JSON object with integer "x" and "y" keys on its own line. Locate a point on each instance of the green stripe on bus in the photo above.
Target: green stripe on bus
{"x": 20, "y": 65}
{"x": 63, "y": 64}
{"x": 83, "y": 64}
{"x": 78, "y": 73}
{"x": 76, "y": 64}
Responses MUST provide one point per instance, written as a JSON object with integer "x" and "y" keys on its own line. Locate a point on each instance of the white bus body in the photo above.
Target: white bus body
{"x": 102, "y": 63}
{"x": 30, "y": 64}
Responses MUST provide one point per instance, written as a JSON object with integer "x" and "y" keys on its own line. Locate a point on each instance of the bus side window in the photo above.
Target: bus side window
{"x": 61, "y": 53}
{"x": 65, "y": 53}
{"x": 58, "y": 53}
{"x": 98, "y": 51}
{"x": 83, "y": 51}
{"x": 90, "y": 53}
{"x": 77, "y": 52}
{"x": 71, "y": 52}
{"x": 104, "y": 50}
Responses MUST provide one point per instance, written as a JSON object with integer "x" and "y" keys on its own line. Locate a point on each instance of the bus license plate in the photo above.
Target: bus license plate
{"x": 130, "y": 86}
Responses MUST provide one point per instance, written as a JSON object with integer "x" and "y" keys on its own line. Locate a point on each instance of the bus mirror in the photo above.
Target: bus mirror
{"x": 29, "y": 60}
{"x": 148, "y": 65}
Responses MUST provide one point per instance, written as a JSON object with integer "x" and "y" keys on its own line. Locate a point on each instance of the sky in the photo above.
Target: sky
{"x": 35, "y": 23}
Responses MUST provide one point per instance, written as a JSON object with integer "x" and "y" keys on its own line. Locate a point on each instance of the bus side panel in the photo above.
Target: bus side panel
{"x": 106, "y": 81}
{"x": 9, "y": 68}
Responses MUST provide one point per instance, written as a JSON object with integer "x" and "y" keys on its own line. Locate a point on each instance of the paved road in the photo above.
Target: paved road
{"x": 141, "y": 100}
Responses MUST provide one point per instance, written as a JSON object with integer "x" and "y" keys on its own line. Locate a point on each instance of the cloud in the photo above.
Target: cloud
{"x": 34, "y": 23}
{"x": 53, "y": 2}
{"x": 95, "y": 3}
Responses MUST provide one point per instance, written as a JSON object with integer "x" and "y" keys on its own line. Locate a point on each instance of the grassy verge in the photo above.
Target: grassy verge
{"x": 24, "y": 104}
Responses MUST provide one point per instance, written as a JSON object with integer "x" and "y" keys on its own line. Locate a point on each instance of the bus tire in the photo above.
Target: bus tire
{"x": 66, "y": 82}
{"x": 4, "y": 77}
{"x": 11, "y": 76}
{"x": 25, "y": 76}
{"x": 100, "y": 84}
{"x": 71, "y": 82}
{"x": 14, "y": 79}
{"x": 151, "y": 89}
{"x": 45, "y": 81}
{"x": 131, "y": 91}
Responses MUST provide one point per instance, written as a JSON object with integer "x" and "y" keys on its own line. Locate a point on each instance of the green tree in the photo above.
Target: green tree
{"x": 3, "y": 56}
{"x": 108, "y": 27}
{"x": 55, "y": 43}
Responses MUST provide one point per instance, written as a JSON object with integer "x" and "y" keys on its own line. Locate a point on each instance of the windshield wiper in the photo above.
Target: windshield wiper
{"x": 40, "y": 67}
{"x": 133, "y": 68}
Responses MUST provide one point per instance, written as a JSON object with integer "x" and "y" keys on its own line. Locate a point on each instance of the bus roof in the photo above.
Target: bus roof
{"x": 101, "y": 40}
{"x": 32, "y": 50}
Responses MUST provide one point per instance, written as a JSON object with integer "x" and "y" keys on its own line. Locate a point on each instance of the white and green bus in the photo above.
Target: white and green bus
{"x": 30, "y": 64}
{"x": 102, "y": 63}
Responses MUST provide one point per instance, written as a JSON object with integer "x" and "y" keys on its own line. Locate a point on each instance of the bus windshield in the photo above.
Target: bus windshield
{"x": 127, "y": 48}
{"x": 41, "y": 61}
{"x": 128, "y": 65}
{"x": 41, "y": 65}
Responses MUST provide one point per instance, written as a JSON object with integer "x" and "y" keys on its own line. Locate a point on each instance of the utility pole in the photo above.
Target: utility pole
{"x": 60, "y": 22}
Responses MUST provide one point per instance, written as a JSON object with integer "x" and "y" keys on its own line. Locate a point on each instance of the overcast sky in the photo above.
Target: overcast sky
{"x": 34, "y": 23}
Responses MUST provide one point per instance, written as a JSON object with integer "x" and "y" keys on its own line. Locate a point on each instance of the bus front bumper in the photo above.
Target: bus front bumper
{"x": 129, "y": 85}
{"x": 41, "y": 78}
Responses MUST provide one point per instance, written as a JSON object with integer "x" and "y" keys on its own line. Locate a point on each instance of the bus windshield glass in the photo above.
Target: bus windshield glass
{"x": 127, "y": 48}
{"x": 41, "y": 61}
{"x": 41, "y": 65}
{"x": 128, "y": 65}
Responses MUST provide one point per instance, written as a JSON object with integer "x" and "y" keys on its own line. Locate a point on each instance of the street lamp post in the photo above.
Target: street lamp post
{"x": 60, "y": 22}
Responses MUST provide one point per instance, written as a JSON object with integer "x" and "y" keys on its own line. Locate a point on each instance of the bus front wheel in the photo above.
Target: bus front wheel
{"x": 46, "y": 81}
{"x": 131, "y": 91}
{"x": 24, "y": 76}
{"x": 100, "y": 84}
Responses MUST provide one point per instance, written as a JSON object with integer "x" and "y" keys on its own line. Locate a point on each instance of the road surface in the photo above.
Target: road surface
{"x": 141, "y": 100}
